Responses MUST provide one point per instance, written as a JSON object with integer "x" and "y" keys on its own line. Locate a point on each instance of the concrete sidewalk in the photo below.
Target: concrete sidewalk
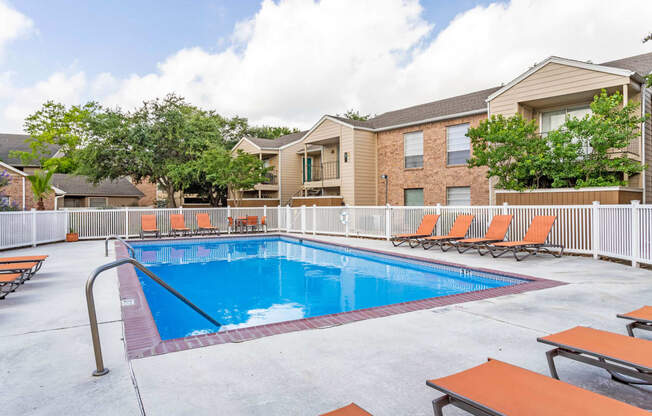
{"x": 382, "y": 364}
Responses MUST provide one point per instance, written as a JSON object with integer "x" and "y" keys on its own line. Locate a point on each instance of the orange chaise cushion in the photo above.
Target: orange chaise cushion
{"x": 348, "y": 410}
{"x": 643, "y": 314}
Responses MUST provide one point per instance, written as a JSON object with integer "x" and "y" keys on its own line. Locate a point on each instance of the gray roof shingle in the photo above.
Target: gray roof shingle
{"x": 474, "y": 101}
{"x": 641, "y": 64}
{"x": 278, "y": 142}
{"x": 9, "y": 142}
{"x": 79, "y": 185}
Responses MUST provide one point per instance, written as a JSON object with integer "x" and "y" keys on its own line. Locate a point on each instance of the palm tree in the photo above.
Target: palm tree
{"x": 41, "y": 187}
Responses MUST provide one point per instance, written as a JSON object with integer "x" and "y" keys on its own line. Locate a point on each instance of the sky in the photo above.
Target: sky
{"x": 288, "y": 62}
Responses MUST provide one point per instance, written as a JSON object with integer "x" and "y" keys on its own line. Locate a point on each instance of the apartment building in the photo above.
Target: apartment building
{"x": 417, "y": 155}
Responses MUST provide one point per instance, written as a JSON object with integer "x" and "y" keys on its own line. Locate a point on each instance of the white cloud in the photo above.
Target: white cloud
{"x": 12, "y": 24}
{"x": 296, "y": 60}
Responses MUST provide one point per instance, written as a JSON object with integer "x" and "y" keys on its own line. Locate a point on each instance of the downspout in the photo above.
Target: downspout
{"x": 491, "y": 188}
{"x": 280, "y": 179}
{"x": 24, "y": 208}
{"x": 643, "y": 154}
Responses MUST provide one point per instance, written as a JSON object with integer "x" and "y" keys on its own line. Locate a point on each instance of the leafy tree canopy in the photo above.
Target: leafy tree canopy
{"x": 41, "y": 187}
{"x": 269, "y": 132}
{"x": 355, "y": 115}
{"x": 590, "y": 151}
{"x": 56, "y": 124}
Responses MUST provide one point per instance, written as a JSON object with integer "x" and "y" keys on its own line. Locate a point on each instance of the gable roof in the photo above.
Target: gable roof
{"x": 634, "y": 66}
{"x": 80, "y": 186}
{"x": 9, "y": 142}
{"x": 276, "y": 143}
{"x": 641, "y": 64}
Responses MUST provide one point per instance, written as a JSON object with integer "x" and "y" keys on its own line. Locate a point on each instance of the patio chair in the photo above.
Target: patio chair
{"x": 533, "y": 242}
{"x": 457, "y": 232}
{"x": 496, "y": 388}
{"x": 231, "y": 224}
{"x": 27, "y": 269}
{"x": 9, "y": 282}
{"x": 178, "y": 225}
{"x": 25, "y": 259}
{"x": 642, "y": 318}
{"x": 148, "y": 226}
{"x": 619, "y": 354}
{"x": 426, "y": 228}
{"x": 263, "y": 223}
{"x": 348, "y": 410}
{"x": 204, "y": 224}
{"x": 496, "y": 232}
{"x": 252, "y": 223}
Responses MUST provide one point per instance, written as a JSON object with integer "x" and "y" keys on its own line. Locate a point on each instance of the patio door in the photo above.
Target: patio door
{"x": 307, "y": 169}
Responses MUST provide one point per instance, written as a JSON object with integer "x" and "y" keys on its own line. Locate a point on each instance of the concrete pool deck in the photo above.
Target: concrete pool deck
{"x": 381, "y": 364}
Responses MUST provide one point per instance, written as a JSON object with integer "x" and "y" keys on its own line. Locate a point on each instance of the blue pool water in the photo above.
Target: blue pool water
{"x": 253, "y": 281}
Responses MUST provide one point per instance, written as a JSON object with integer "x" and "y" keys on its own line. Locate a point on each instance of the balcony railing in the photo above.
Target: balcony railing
{"x": 272, "y": 178}
{"x": 323, "y": 171}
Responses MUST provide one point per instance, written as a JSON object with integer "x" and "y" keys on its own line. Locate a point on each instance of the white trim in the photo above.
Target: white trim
{"x": 561, "y": 61}
{"x": 13, "y": 169}
{"x": 318, "y": 197}
{"x": 58, "y": 191}
{"x": 590, "y": 189}
{"x": 243, "y": 139}
{"x": 432, "y": 119}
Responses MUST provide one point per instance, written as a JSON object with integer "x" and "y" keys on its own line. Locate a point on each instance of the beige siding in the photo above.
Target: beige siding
{"x": 550, "y": 81}
{"x": 290, "y": 172}
{"x": 326, "y": 130}
{"x": 246, "y": 147}
{"x": 330, "y": 153}
{"x": 347, "y": 170}
{"x": 365, "y": 167}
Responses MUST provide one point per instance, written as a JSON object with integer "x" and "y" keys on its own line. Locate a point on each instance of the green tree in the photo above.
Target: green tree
{"x": 41, "y": 186}
{"x": 355, "y": 115}
{"x": 155, "y": 143}
{"x": 236, "y": 172}
{"x": 269, "y": 132}
{"x": 54, "y": 124}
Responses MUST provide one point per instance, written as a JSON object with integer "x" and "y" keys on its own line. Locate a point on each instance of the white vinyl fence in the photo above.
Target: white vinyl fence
{"x": 618, "y": 231}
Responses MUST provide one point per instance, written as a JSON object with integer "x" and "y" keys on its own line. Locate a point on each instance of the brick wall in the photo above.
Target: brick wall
{"x": 435, "y": 176}
{"x": 150, "y": 191}
{"x": 15, "y": 193}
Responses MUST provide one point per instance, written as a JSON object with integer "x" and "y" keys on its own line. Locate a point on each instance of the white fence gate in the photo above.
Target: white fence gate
{"x": 618, "y": 231}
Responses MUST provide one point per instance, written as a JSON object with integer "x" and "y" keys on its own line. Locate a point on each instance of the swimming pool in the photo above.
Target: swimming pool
{"x": 246, "y": 282}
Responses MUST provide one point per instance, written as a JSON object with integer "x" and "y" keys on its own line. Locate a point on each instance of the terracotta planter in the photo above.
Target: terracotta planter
{"x": 72, "y": 237}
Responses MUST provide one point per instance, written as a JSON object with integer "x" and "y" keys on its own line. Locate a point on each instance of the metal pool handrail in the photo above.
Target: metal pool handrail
{"x": 116, "y": 237}
{"x": 92, "y": 316}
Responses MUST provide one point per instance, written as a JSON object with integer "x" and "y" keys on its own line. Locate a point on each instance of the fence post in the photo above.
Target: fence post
{"x": 505, "y": 204}
{"x": 33, "y": 227}
{"x": 635, "y": 234}
{"x": 279, "y": 215}
{"x": 126, "y": 223}
{"x": 346, "y": 225}
{"x": 288, "y": 218}
{"x": 303, "y": 219}
{"x": 314, "y": 219}
{"x": 66, "y": 222}
{"x": 265, "y": 211}
{"x": 437, "y": 226}
{"x": 228, "y": 214}
{"x": 595, "y": 220}
{"x": 388, "y": 222}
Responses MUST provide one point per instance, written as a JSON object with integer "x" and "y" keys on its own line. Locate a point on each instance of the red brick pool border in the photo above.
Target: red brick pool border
{"x": 143, "y": 340}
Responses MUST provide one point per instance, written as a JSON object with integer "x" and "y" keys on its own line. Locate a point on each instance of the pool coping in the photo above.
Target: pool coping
{"x": 142, "y": 338}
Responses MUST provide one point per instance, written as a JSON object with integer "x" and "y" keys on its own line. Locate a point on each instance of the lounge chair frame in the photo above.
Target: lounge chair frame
{"x": 444, "y": 244}
{"x": 414, "y": 239}
{"x": 450, "y": 398}
{"x": 616, "y": 368}
{"x": 25, "y": 260}
{"x": 638, "y": 323}
{"x": 530, "y": 249}
{"x": 204, "y": 230}
{"x": 13, "y": 285}
{"x": 478, "y": 246}
{"x": 27, "y": 273}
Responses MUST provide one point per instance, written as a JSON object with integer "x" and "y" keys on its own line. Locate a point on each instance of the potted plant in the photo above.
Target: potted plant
{"x": 72, "y": 236}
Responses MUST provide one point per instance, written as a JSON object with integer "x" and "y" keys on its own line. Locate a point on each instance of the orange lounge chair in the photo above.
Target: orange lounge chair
{"x": 619, "y": 354}
{"x": 642, "y": 318}
{"x": 27, "y": 269}
{"x": 25, "y": 259}
{"x": 533, "y": 242}
{"x": 263, "y": 223}
{"x": 457, "y": 232}
{"x": 148, "y": 226}
{"x": 348, "y": 410}
{"x": 9, "y": 282}
{"x": 178, "y": 225}
{"x": 252, "y": 223}
{"x": 496, "y": 388}
{"x": 496, "y": 233}
{"x": 426, "y": 228}
{"x": 204, "y": 224}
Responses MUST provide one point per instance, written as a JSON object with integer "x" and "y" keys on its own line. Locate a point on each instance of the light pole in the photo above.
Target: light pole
{"x": 385, "y": 177}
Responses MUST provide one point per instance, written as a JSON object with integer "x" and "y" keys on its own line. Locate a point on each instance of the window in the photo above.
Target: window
{"x": 458, "y": 195}
{"x": 413, "y": 197}
{"x": 458, "y": 145}
{"x": 552, "y": 120}
{"x": 413, "y": 149}
{"x": 95, "y": 202}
